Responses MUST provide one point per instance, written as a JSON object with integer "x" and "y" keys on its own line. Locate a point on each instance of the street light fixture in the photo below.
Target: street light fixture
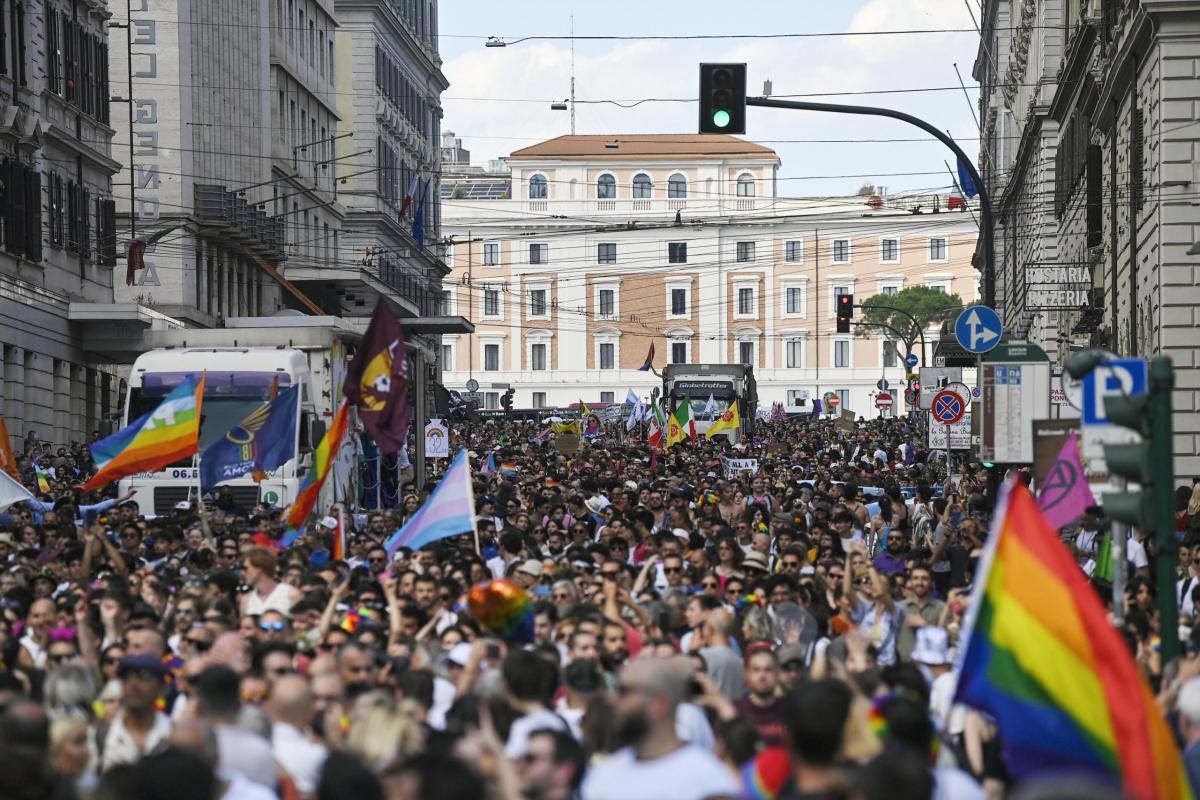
{"x": 560, "y": 106}
{"x": 495, "y": 41}
{"x": 1194, "y": 250}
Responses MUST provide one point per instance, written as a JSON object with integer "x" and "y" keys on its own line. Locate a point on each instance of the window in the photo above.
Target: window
{"x": 676, "y": 187}
{"x": 606, "y": 187}
{"x": 539, "y": 399}
{"x": 745, "y": 251}
{"x": 745, "y": 298}
{"x": 447, "y": 357}
{"x": 797, "y": 397}
{"x": 538, "y": 188}
{"x": 642, "y": 187}
{"x": 537, "y": 356}
{"x": 606, "y": 253}
{"x": 795, "y": 300}
{"x": 890, "y": 290}
{"x": 491, "y": 357}
{"x": 793, "y": 251}
{"x": 539, "y": 254}
{"x": 679, "y": 304}
{"x": 678, "y": 352}
{"x": 841, "y": 251}
{"x": 843, "y": 399}
{"x": 607, "y": 302}
{"x": 889, "y": 353}
{"x": 939, "y": 287}
{"x": 841, "y": 353}
{"x": 794, "y": 354}
{"x": 745, "y": 185}
{"x": 491, "y": 302}
{"x": 937, "y": 249}
{"x": 838, "y": 291}
{"x": 537, "y": 302}
{"x": 889, "y": 250}
{"x": 491, "y": 399}
{"x": 746, "y": 353}
{"x": 607, "y": 355}
{"x": 677, "y": 252}
{"x": 608, "y": 397}
{"x": 491, "y": 254}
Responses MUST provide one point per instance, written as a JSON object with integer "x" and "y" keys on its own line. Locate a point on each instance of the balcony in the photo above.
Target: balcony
{"x": 699, "y": 206}
{"x": 219, "y": 207}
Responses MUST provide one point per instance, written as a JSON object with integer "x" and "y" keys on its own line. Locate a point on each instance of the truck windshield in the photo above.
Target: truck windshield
{"x": 229, "y": 397}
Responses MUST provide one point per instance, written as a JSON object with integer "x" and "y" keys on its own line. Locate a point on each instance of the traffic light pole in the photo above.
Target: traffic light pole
{"x": 985, "y": 203}
{"x": 1162, "y": 482}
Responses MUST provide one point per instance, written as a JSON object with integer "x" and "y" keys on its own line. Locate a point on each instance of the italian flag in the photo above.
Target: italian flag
{"x": 681, "y": 425}
{"x": 656, "y": 435}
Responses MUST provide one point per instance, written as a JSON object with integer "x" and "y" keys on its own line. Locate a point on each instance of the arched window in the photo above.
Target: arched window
{"x": 745, "y": 185}
{"x": 642, "y": 187}
{"x": 606, "y": 187}
{"x": 676, "y": 186}
{"x": 538, "y": 187}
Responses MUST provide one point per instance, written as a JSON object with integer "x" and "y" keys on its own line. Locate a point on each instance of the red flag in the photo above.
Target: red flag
{"x": 135, "y": 260}
{"x": 377, "y": 381}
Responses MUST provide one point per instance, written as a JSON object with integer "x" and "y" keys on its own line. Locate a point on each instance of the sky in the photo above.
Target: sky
{"x": 499, "y": 98}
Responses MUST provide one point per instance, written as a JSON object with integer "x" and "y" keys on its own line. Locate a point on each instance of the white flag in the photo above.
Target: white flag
{"x": 11, "y": 491}
{"x": 710, "y": 408}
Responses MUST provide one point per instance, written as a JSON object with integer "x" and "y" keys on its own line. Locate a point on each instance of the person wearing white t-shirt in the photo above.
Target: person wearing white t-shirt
{"x": 656, "y": 763}
{"x": 1136, "y": 553}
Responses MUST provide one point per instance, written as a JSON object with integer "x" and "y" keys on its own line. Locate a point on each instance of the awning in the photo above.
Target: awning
{"x": 454, "y": 324}
{"x": 114, "y": 331}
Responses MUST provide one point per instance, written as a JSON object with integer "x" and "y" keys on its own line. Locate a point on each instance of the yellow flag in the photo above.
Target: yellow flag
{"x": 8, "y": 462}
{"x": 674, "y": 431}
{"x": 730, "y": 420}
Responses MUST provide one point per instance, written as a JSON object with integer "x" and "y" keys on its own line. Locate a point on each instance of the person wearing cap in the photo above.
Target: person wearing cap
{"x": 138, "y": 727}
{"x": 528, "y": 573}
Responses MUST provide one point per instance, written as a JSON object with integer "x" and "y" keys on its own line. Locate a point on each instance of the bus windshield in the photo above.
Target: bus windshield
{"x": 229, "y": 397}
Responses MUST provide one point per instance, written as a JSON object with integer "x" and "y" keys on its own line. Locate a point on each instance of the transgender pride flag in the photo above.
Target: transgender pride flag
{"x": 449, "y": 511}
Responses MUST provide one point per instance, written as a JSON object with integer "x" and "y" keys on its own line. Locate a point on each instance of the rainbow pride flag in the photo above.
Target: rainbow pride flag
{"x": 449, "y": 511}
{"x": 168, "y": 433}
{"x": 322, "y": 462}
{"x": 42, "y": 481}
{"x": 509, "y": 469}
{"x": 1040, "y": 656}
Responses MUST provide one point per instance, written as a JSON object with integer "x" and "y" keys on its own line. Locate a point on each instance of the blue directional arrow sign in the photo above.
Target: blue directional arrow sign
{"x": 910, "y": 360}
{"x": 978, "y": 329}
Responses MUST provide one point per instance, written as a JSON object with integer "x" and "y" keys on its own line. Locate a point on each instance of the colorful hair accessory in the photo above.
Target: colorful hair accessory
{"x": 503, "y": 608}
{"x": 350, "y": 622}
{"x": 62, "y": 634}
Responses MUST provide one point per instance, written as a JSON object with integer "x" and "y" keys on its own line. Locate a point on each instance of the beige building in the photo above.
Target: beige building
{"x": 595, "y": 248}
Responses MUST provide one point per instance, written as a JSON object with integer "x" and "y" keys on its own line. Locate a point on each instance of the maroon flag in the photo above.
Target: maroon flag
{"x": 377, "y": 381}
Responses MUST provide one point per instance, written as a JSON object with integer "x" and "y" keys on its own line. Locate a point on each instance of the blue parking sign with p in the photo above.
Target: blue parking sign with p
{"x": 1113, "y": 378}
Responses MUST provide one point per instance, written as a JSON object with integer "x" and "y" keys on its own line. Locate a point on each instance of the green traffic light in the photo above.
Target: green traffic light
{"x": 720, "y": 118}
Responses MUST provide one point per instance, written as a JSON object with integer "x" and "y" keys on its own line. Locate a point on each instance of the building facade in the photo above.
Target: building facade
{"x": 596, "y": 248}
{"x": 57, "y": 245}
{"x": 1096, "y": 173}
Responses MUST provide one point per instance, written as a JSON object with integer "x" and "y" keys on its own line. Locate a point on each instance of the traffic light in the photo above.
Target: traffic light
{"x": 845, "y": 310}
{"x": 506, "y": 399}
{"x": 1149, "y": 463}
{"x": 722, "y": 98}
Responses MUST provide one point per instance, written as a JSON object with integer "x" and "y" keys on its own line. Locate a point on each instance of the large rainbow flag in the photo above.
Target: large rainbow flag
{"x": 168, "y": 433}
{"x": 310, "y": 489}
{"x": 1041, "y": 657}
{"x": 449, "y": 511}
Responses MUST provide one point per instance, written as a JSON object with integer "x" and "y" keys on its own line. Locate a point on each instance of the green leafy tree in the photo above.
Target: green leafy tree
{"x": 881, "y": 314}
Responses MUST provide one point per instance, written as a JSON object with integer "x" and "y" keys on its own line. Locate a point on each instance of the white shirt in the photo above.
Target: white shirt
{"x": 299, "y": 757}
{"x": 240, "y": 788}
{"x": 692, "y": 726}
{"x": 245, "y": 755}
{"x": 689, "y": 773}
{"x": 1136, "y": 552}
{"x": 280, "y": 599}
{"x": 120, "y": 746}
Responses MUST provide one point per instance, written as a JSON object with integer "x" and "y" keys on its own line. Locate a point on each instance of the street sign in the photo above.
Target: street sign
{"x": 1016, "y": 392}
{"x": 948, "y": 407}
{"x": 911, "y": 360}
{"x": 473, "y": 397}
{"x": 978, "y": 329}
{"x": 1052, "y": 287}
{"x": 883, "y": 400}
{"x": 1114, "y": 377}
{"x": 934, "y": 379}
{"x": 882, "y": 384}
{"x": 832, "y": 400}
{"x": 955, "y": 437}
{"x": 910, "y": 397}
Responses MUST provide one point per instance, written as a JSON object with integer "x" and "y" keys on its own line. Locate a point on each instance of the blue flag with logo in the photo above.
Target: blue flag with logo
{"x": 264, "y": 441}
{"x": 965, "y": 181}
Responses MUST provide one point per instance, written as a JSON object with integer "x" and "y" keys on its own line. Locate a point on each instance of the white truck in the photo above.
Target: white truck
{"x": 243, "y": 362}
{"x": 725, "y": 383}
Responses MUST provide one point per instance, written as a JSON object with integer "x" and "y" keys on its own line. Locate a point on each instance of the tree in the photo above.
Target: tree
{"x": 923, "y": 304}
{"x": 866, "y": 190}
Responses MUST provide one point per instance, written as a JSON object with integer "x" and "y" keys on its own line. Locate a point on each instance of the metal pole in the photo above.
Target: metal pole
{"x": 1119, "y": 546}
{"x": 985, "y": 203}
{"x": 1162, "y": 470}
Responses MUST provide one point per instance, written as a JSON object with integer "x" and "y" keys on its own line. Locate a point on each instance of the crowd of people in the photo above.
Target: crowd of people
{"x": 777, "y": 618}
